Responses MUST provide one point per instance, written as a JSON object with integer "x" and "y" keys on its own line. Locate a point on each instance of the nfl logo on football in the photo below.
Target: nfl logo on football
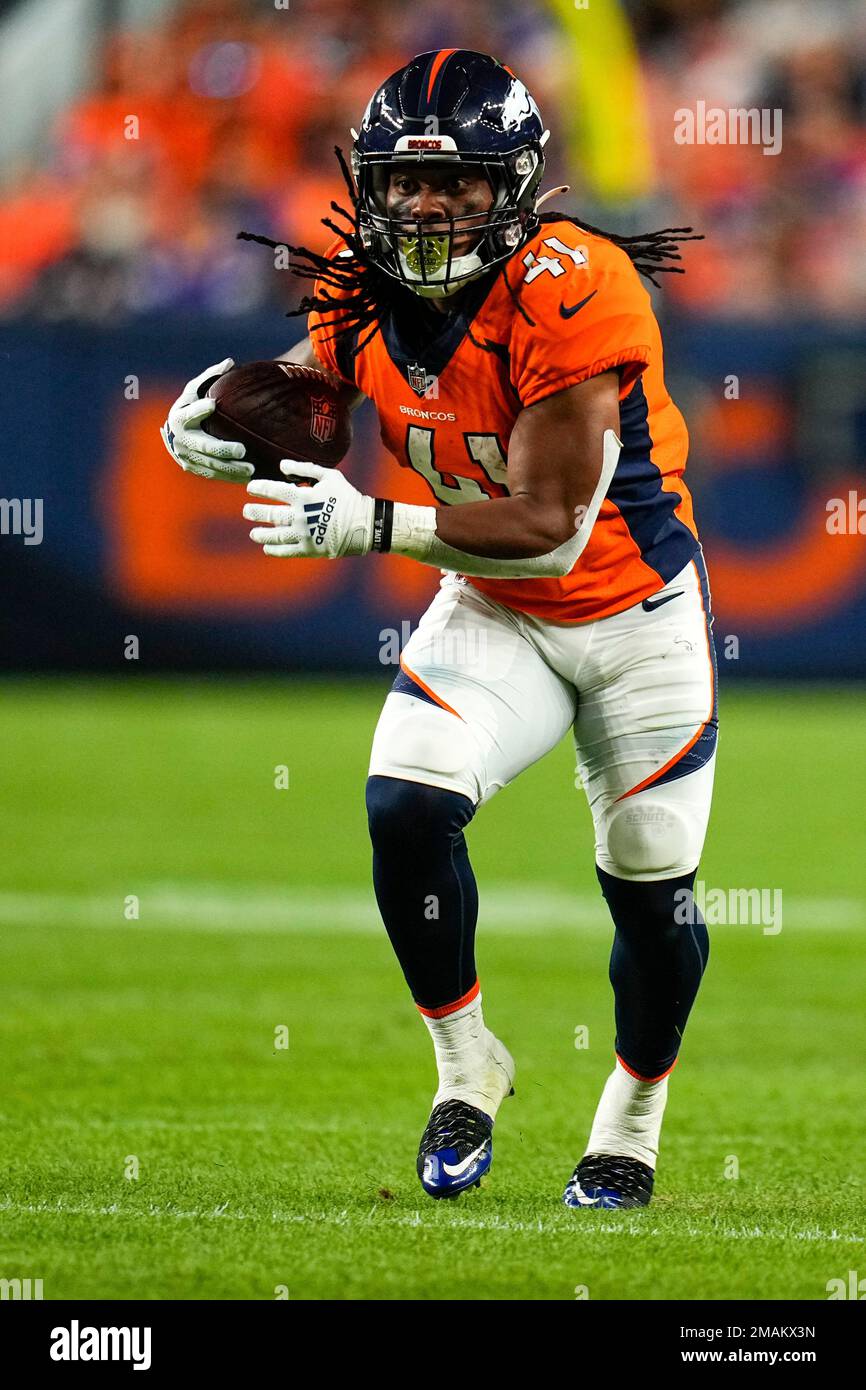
{"x": 323, "y": 425}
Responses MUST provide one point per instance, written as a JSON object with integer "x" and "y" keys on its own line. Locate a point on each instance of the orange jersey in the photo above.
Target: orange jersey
{"x": 447, "y": 404}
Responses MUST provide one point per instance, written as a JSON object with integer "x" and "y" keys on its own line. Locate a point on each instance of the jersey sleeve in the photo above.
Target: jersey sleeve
{"x": 334, "y": 353}
{"x": 586, "y": 320}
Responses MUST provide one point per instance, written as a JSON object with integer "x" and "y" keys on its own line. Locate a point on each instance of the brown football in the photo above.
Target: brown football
{"x": 280, "y": 410}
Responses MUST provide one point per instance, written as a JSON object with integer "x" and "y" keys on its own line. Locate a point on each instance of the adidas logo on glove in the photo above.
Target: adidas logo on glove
{"x": 318, "y": 516}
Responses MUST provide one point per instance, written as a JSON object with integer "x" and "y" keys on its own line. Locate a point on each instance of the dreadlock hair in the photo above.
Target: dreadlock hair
{"x": 366, "y": 295}
{"x": 646, "y": 251}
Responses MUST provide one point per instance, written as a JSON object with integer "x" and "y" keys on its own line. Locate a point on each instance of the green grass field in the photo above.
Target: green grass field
{"x": 150, "y": 1042}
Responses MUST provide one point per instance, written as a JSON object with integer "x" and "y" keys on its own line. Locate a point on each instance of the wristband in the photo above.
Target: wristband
{"x": 383, "y": 524}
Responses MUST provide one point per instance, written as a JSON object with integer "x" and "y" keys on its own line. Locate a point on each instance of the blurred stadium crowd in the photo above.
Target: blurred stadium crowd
{"x": 239, "y": 105}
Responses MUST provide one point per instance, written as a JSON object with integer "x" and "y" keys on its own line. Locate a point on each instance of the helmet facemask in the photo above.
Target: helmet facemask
{"x": 421, "y": 252}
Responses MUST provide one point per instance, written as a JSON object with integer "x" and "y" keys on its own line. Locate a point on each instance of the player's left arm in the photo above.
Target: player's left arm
{"x": 554, "y": 465}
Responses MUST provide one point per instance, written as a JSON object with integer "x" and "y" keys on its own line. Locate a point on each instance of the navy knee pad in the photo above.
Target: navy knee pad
{"x": 402, "y": 813}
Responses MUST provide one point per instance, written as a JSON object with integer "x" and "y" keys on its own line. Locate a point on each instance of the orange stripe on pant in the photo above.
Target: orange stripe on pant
{"x": 432, "y": 693}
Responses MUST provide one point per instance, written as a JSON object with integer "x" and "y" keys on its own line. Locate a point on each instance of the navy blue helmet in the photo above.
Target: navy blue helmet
{"x": 449, "y": 107}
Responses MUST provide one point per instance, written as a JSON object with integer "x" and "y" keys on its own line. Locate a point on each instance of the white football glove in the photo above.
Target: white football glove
{"x": 329, "y": 519}
{"x": 189, "y": 445}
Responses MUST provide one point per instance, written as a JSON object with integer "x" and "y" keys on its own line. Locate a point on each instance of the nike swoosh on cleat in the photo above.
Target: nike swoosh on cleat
{"x": 578, "y": 1192}
{"x": 569, "y": 311}
{"x": 455, "y": 1170}
{"x": 649, "y": 604}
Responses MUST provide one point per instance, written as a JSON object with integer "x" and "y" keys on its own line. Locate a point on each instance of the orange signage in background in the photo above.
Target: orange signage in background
{"x": 781, "y": 583}
{"x": 734, "y": 433}
{"x": 180, "y": 543}
{"x": 790, "y": 582}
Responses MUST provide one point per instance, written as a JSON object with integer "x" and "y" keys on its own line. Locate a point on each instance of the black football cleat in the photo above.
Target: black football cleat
{"x": 456, "y": 1149}
{"x": 608, "y": 1181}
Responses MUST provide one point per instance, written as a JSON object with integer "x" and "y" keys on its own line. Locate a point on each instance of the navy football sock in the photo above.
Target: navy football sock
{"x": 660, "y": 951}
{"x": 425, "y": 886}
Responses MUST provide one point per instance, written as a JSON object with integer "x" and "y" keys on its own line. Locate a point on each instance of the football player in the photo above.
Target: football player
{"x": 515, "y": 363}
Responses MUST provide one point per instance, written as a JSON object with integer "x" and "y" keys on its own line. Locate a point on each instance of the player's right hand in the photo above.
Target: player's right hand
{"x": 189, "y": 445}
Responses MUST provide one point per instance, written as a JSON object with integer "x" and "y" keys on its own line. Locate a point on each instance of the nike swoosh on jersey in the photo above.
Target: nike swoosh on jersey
{"x": 454, "y": 1170}
{"x": 649, "y": 604}
{"x": 569, "y": 311}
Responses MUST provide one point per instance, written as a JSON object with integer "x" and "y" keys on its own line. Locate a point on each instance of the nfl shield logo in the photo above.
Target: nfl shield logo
{"x": 323, "y": 426}
{"x": 418, "y": 379}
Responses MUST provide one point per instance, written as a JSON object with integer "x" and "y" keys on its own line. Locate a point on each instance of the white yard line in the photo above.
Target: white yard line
{"x": 379, "y": 1213}
{"x": 125, "y": 1122}
{"x": 514, "y": 909}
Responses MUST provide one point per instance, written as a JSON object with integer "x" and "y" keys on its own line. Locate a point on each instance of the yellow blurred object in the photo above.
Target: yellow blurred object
{"x": 608, "y": 129}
